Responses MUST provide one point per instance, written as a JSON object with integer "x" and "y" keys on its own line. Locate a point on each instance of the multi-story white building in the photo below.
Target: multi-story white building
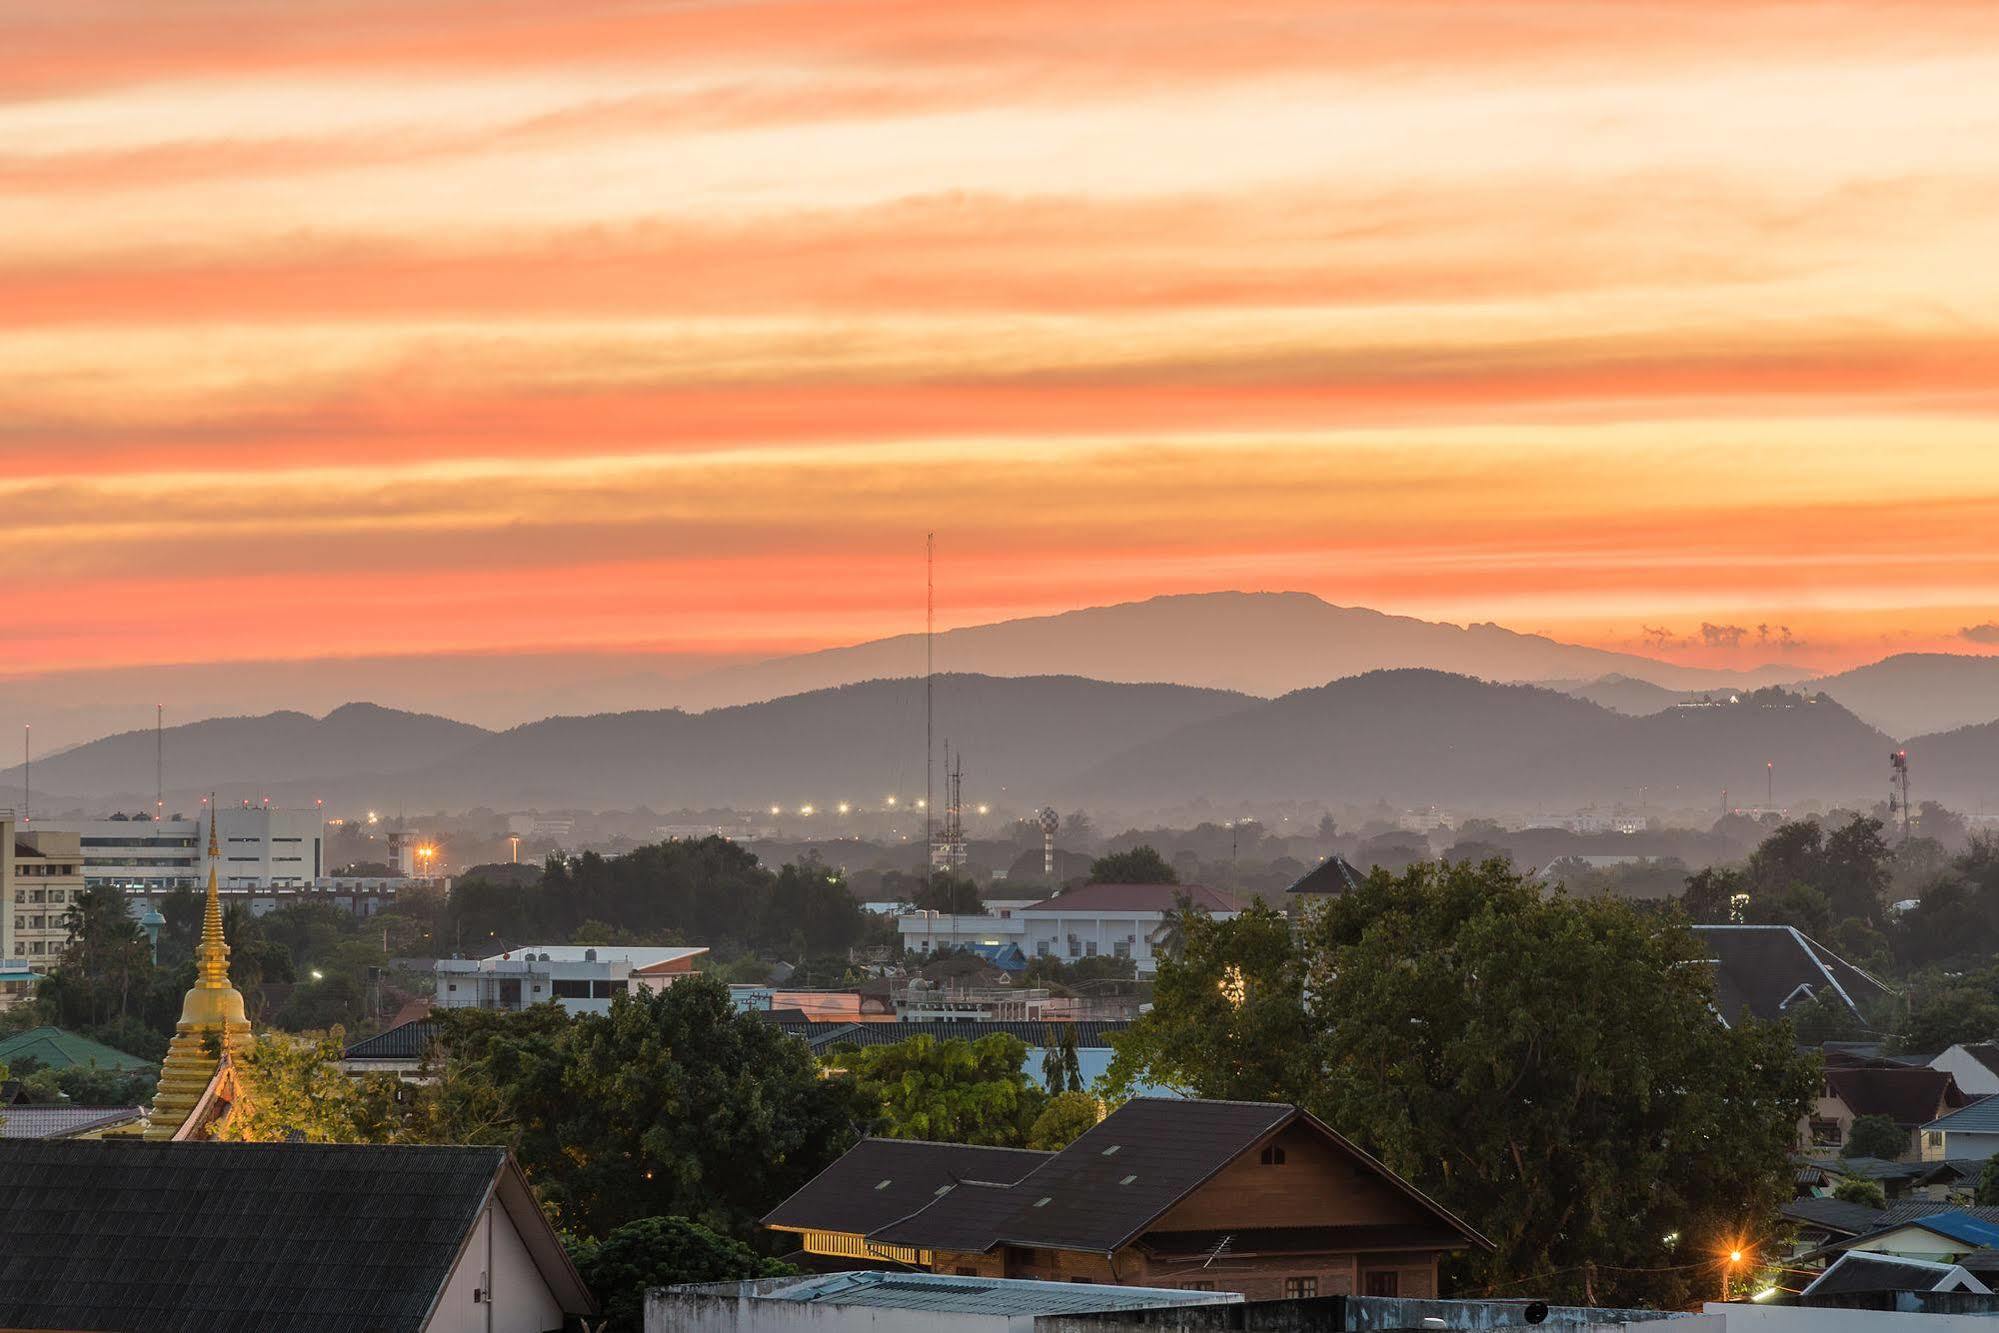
{"x": 1097, "y": 920}
{"x": 584, "y": 979}
{"x": 261, "y": 848}
{"x": 40, "y": 879}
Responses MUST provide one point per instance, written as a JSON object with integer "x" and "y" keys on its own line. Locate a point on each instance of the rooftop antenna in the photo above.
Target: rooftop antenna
{"x": 27, "y": 774}
{"x": 159, "y": 762}
{"x": 929, "y": 688}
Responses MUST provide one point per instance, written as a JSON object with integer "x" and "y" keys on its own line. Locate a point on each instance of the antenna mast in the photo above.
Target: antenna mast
{"x": 27, "y": 773}
{"x": 1898, "y": 790}
{"x": 159, "y": 762}
{"x": 929, "y": 689}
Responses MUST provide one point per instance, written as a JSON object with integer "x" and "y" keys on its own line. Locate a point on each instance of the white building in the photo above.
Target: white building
{"x": 261, "y": 848}
{"x": 583, "y": 978}
{"x": 1096, "y": 920}
{"x": 40, "y": 879}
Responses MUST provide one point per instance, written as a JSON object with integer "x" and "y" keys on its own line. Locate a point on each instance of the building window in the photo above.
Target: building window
{"x": 564, "y": 989}
{"x": 1197, "y": 1286}
{"x": 1825, "y": 1133}
{"x": 1091, "y": 947}
{"x": 1297, "y": 1288}
{"x": 1122, "y": 949}
{"x": 1273, "y": 1156}
{"x": 1933, "y": 1138}
{"x": 1041, "y": 948}
{"x": 1381, "y": 1284}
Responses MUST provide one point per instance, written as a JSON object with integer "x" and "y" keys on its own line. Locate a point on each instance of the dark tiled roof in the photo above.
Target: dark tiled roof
{"x": 1089, "y": 1032}
{"x": 1103, "y": 1190}
{"x": 59, "y": 1120}
{"x": 1139, "y": 898}
{"x": 405, "y": 1041}
{"x": 1762, "y": 968}
{"x": 1857, "y": 1271}
{"x": 1333, "y": 875}
{"x": 1908, "y": 1210}
{"x": 1909, "y": 1097}
{"x": 1300, "y": 1240}
{"x": 880, "y": 1181}
{"x": 232, "y": 1237}
{"x": 964, "y": 1219}
{"x": 1834, "y": 1215}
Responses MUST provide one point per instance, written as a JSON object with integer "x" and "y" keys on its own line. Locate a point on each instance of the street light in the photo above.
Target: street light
{"x": 318, "y": 975}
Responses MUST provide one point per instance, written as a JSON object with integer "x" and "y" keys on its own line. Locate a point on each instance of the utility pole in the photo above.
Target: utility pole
{"x": 159, "y": 762}
{"x": 1770, "y": 785}
{"x": 27, "y": 773}
{"x": 929, "y": 691}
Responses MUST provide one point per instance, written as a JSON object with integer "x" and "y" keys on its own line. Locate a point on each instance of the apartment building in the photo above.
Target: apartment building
{"x": 41, "y": 877}
{"x": 261, "y": 848}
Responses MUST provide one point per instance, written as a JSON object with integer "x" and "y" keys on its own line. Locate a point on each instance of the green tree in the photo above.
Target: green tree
{"x": 1140, "y": 865}
{"x": 1949, "y": 1016}
{"x": 294, "y": 1086}
{"x": 1988, "y": 1184}
{"x": 1868, "y": 1192}
{"x": 1552, "y": 1070}
{"x": 659, "y": 1252}
{"x": 951, "y": 1091}
{"x": 1065, "y": 1119}
{"x": 1875, "y": 1136}
{"x": 1072, "y": 1063}
{"x": 672, "y": 1104}
{"x": 1709, "y": 898}
{"x": 946, "y": 892}
{"x": 1228, "y": 1017}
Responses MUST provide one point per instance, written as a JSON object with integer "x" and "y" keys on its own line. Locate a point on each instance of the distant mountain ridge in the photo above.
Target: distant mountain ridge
{"x": 1260, "y": 643}
{"x": 1410, "y": 737}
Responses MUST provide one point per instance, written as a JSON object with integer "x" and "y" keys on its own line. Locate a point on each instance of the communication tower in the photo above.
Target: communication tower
{"x": 1898, "y": 791}
{"x": 948, "y": 851}
{"x": 1050, "y": 821}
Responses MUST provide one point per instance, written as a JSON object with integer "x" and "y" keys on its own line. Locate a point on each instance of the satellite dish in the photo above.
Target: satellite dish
{"x": 1536, "y": 1312}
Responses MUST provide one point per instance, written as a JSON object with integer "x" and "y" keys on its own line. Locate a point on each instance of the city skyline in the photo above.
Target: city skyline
{"x": 674, "y": 329}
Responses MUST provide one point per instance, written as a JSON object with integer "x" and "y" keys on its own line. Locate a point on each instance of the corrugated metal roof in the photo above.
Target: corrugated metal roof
{"x": 405, "y": 1041}
{"x": 944, "y": 1294}
{"x": 1981, "y": 1117}
{"x": 61, "y": 1121}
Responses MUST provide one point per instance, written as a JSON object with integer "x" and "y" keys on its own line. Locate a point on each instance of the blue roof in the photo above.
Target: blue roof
{"x": 1006, "y": 957}
{"x": 1981, "y": 1117}
{"x": 1960, "y": 1225}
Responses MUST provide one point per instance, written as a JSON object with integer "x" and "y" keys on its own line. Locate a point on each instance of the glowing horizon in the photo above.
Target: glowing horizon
{"x": 1659, "y": 327}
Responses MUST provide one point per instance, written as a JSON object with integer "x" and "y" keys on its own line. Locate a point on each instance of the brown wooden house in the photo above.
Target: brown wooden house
{"x": 1253, "y": 1197}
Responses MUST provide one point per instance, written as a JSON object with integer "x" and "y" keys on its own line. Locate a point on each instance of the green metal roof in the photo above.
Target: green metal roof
{"x": 57, "y": 1049}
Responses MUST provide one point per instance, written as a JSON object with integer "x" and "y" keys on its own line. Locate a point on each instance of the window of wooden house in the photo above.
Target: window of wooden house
{"x": 1297, "y": 1288}
{"x": 1197, "y": 1286}
{"x": 1273, "y": 1156}
{"x": 1384, "y": 1284}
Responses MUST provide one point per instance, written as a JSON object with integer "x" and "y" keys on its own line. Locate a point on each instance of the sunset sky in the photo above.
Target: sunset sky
{"x": 427, "y": 326}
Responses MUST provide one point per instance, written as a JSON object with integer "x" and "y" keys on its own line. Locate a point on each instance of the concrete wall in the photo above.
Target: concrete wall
{"x": 519, "y": 1301}
{"x": 688, "y": 1312}
{"x": 1818, "y": 1319}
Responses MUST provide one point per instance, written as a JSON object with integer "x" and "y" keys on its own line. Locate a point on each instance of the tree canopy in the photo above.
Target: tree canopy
{"x": 1875, "y": 1136}
{"x": 952, "y": 1091}
{"x": 1550, "y": 1069}
{"x": 1139, "y": 865}
{"x": 659, "y": 1252}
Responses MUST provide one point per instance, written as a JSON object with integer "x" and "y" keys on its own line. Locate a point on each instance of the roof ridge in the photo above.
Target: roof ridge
{"x": 941, "y": 1143}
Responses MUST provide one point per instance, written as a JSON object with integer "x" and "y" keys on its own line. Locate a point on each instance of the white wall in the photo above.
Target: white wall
{"x": 521, "y": 1301}
{"x": 1794, "y": 1319}
{"x": 668, "y": 1313}
{"x": 1971, "y": 1076}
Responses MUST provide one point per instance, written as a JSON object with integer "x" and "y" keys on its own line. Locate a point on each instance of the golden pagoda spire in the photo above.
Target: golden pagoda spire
{"x": 212, "y": 1022}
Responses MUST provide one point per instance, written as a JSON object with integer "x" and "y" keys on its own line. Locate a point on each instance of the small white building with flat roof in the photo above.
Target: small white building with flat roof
{"x": 582, "y": 978}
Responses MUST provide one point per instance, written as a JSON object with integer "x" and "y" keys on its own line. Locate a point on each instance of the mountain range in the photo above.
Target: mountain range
{"x": 1410, "y": 737}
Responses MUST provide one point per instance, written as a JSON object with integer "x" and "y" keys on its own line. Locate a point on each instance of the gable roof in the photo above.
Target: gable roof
{"x": 233, "y": 1237}
{"x": 1766, "y": 969}
{"x": 404, "y": 1041}
{"x": 1985, "y": 1053}
{"x": 1107, "y": 1187}
{"x": 60, "y": 1120}
{"x": 1137, "y": 898}
{"x": 1977, "y": 1117}
{"x": 1835, "y": 1216}
{"x": 879, "y": 1181}
{"x": 1334, "y": 875}
{"x": 1907, "y": 1095}
{"x": 57, "y": 1049}
{"x": 1857, "y": 1271}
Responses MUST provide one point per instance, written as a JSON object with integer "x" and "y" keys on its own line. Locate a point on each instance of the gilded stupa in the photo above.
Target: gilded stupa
{"x": 211, "y": 1018}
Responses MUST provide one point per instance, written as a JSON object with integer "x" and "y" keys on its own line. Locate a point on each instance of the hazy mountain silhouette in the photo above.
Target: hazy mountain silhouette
{"x": 235, "y": 754}
{"x": 1262, "y": 643}
{"x": 856, "y": 743}
{"x": 1426, "y": 737}
{"x": 1620, "y": 694}
{"x": 1916, "y": 693}
{"x": 1959, "y": 767}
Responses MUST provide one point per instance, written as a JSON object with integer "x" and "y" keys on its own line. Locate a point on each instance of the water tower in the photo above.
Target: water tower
{"x": 1050, "y": 821}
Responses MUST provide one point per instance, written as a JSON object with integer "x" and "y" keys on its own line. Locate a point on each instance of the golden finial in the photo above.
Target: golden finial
{"x": 212, "y": 955}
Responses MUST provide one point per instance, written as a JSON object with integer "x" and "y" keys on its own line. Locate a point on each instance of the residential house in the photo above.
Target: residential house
{"x": 402, "y": 1050}
{"x": 1857, "y": 1272}
{"x": 1765, "y": 970}
{"x": 1970, "y": 1133}
{"x": 310, "y": 1238}
{"x": 1258, "y": 1198}
{"x": 1975, "y": 1066}
{"x": 1329, "y": 879}
{"x": 1911, "y": 1096}
{"x": 1950, "y": 1236}
{"x": 1135, "y": 921}
{"x": 55, "y": 1048}
{"x": 584, "y": 979}
{"x": 1093, "y": 1040}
